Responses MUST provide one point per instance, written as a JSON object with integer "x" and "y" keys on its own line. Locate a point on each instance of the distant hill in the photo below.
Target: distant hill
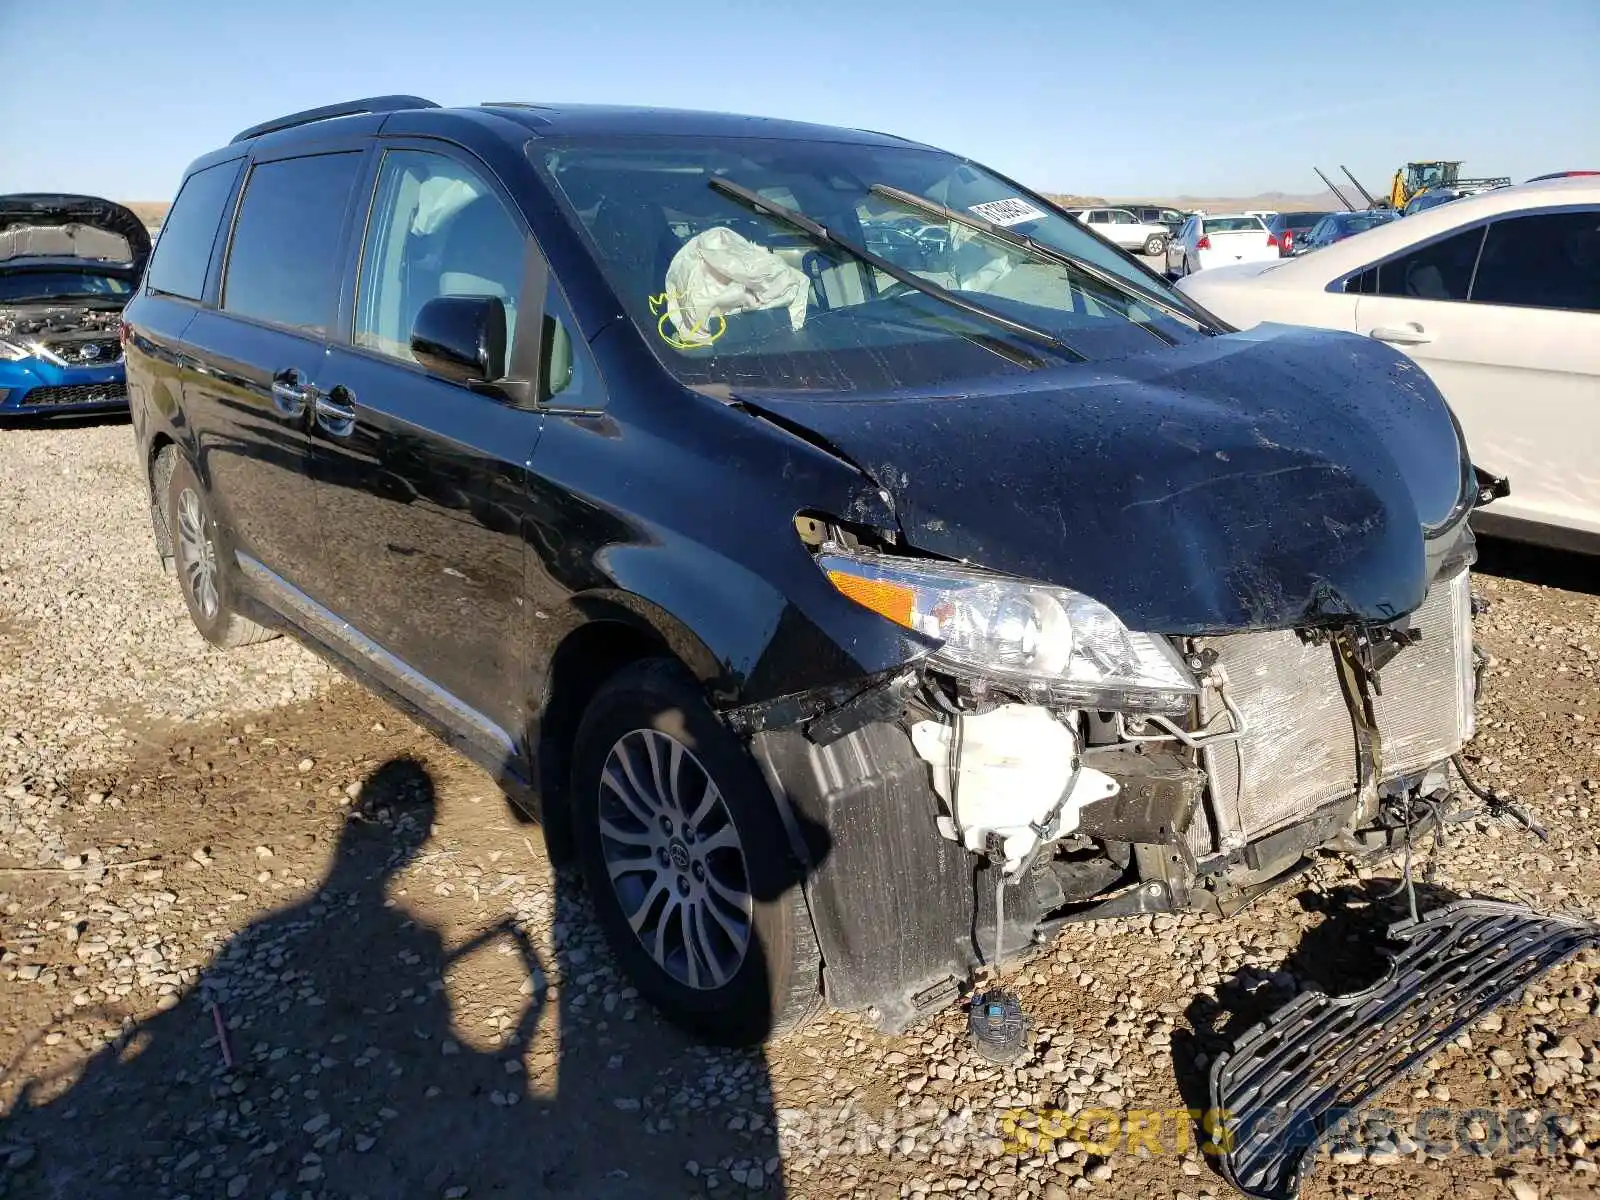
{"x": 153, "y": 212}
{"x": 1324, "y": 201}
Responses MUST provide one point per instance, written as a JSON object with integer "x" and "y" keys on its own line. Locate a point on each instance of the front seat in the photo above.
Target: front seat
{"x": 482, "y": 256}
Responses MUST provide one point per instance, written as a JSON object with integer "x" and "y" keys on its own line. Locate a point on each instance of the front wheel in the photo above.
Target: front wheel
{"x": 691, "y": 874}
{"x": 1155, "y": 245}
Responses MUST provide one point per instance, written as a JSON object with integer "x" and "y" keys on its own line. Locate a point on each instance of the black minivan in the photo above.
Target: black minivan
{"x": 861, "y": 616}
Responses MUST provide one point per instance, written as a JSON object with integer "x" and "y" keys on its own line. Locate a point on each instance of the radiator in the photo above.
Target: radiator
{"x": 1300, "y": 751}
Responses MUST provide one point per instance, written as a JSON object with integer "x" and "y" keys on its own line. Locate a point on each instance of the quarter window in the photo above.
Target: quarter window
{"x": 1544, "y": 260}
{"x": 283, "y": 266}
{"x": 183, "y": 251}
{"x": 436, "y": 230}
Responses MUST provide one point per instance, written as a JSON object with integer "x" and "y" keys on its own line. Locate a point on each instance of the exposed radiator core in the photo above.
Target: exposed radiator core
{"x": 1300, "y": 753}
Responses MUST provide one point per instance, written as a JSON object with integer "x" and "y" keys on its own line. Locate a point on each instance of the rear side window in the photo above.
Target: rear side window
{"x": 284, "y": 263}
{"x": 183, "y": 252}
{"x": 1440, "y": 270}
{"x": 1547, "y": 260}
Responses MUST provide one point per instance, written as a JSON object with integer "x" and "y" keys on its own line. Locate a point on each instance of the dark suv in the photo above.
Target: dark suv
{"x": 833, "y": 604}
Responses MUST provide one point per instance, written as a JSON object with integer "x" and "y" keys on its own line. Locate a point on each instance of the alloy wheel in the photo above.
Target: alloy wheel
{"x": 674, "y": 859}
{"x": 197, "y": 553}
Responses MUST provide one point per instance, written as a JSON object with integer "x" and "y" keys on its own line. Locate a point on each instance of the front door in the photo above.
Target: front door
{"x": 256, "y": 362}
{"x": 1506, "y": 321}
{"x": 419, "y": 480}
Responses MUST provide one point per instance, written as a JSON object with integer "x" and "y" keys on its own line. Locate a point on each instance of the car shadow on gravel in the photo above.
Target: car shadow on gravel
{"x": 1344, "y": 953}
{"x": 1540, "y": 565}
{"x": 89, "y": 420}
{"x": 345, "y": 1072}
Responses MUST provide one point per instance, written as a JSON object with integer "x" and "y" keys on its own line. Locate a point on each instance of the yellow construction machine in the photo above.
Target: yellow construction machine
{"x": 1417, "y": 177}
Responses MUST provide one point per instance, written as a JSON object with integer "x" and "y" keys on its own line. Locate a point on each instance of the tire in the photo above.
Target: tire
{"x": 719, "y": 990}
{"x": 1155, "y": 244}
{"x": 203, "y": 556}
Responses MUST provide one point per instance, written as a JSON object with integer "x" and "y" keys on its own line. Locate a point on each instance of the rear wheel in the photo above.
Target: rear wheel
{"x": 686, "y": 860}
{"x": 207, "y": 576}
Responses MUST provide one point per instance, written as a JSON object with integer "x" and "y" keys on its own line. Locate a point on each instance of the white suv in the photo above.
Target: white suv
{"x": 1126, "y": 230}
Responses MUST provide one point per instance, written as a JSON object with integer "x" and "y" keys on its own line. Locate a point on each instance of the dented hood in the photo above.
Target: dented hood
{"x": 24, "y": 211}
{"x": 1274, "y": 478}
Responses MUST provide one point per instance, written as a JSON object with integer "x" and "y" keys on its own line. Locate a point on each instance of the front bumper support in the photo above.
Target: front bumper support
{"x": 1291, "y": 1081}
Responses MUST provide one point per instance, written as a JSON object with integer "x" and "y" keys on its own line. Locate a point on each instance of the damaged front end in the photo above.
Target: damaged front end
{"x": 68, "y": 266}
{"x": 65, "y": 336}
{"x": 977, "y": 805}
{"x": 1271, "y": 654}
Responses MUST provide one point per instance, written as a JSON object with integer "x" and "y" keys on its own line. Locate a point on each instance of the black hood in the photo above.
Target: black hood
{"x": 43, "y": 209}
{"x": 1275, "y": 478}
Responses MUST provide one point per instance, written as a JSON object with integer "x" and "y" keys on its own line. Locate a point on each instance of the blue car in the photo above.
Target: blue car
{"x": 68, "y": 265}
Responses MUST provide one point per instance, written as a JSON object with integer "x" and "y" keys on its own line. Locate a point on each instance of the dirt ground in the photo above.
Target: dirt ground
{"x": 286, "y": 944}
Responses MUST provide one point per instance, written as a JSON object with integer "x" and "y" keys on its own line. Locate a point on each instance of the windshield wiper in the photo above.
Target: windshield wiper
{"x": 1022, "y": 241}
{"x": 806, "y": 225}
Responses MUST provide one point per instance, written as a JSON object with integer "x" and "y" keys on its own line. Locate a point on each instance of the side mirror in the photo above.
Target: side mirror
{"x": 461, "y": 338}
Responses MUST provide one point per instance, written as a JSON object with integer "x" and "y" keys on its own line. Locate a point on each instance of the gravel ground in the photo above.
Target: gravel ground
{"x": 264, "y": 937}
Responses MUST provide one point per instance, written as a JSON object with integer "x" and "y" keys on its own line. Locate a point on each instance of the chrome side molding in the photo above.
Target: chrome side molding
{"x": 444, "y": 706}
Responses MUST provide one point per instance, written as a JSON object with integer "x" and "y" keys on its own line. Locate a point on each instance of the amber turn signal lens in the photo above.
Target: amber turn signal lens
{"x": 892, "y": 600}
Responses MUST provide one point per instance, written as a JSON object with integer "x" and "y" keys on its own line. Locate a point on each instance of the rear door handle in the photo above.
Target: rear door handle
{"x": 1411, "y": 334}
{"x": 336, "y": 411}
{"x": 290, "y": 395}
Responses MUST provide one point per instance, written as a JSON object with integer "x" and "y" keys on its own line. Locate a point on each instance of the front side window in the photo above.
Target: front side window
{"x": 183, "y": 251}
{"x": 1544, "y": 260}
{"x": 726, "y": 292}
{"x": 1440, "y": 270}
{"x": 436, "y": 229}
{"x": 283, "y": 266}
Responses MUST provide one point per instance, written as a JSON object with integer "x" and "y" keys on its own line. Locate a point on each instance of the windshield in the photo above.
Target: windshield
{"x": 727, "y": 294}
{"x": 19, "y": 287}
{"x": 1234, "y": 224}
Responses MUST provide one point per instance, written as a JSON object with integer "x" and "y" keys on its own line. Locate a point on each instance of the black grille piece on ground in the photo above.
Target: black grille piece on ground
{"x": 1301, "y": 1074}
{"x": 78, "y": 393}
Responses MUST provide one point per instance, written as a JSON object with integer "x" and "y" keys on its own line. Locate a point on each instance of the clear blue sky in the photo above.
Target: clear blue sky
{"x": 1221, "y": 99}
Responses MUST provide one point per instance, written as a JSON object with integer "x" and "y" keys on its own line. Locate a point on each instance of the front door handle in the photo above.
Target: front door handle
{"x": 336, "y": 411}
{"x": 290, "y": 394}
{"x": 1411, "y": 334}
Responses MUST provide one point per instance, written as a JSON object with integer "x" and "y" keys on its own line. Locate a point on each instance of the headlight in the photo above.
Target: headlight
{"x": 1045, "y": 639}
{"x": 11, "y": 352}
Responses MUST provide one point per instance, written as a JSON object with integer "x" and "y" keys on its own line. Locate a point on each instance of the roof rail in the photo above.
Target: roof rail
{"x": 372, "y": 104}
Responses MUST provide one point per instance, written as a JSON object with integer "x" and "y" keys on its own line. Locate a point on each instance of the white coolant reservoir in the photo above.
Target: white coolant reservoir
{"x": 1011, "y": 764}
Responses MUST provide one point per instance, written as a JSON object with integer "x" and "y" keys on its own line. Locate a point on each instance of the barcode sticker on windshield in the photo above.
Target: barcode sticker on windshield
{"x": 1007, "y": 212}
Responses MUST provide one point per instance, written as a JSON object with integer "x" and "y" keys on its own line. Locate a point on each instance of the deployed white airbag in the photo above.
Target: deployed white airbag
{"x": 718, "y": 273}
